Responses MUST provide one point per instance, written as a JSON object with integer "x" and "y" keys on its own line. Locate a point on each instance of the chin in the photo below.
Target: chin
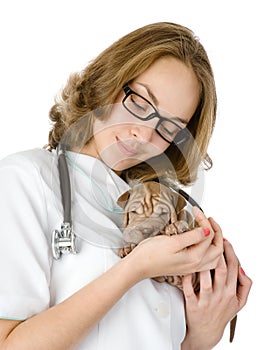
{"x": 124, "y": 164}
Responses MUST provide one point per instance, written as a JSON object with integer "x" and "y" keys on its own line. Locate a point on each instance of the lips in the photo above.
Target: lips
{"x": 126, "y": 149}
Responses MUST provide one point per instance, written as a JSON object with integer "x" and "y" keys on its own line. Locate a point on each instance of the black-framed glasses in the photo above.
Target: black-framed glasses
{"x": 168, "y": 129}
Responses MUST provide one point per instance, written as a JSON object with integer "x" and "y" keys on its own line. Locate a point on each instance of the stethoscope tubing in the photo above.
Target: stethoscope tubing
{"x": 65, "y": 185}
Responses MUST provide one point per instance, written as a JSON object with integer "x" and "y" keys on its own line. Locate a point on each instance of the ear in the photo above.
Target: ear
{"x": 126, "y": 219}
{"x": 123, "y": 199}
{"x": 178, "y": 201}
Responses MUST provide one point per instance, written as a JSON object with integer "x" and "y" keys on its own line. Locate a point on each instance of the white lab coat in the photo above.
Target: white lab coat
{"x": 149, "y": 316}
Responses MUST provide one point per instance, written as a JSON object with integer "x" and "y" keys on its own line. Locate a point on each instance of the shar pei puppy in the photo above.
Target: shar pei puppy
{"x": 150, "y": 209}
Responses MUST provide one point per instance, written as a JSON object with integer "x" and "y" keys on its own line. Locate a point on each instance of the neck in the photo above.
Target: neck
{"x": 90, "y": 149}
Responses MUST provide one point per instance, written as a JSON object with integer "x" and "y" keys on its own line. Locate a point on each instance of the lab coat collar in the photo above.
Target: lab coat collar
{"x": 98, "y": 173}
{"x": 97, "y": 218}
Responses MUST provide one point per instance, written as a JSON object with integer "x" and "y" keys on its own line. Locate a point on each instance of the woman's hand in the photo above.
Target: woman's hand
{"x": 197, "y": 250}
{"x": 219, "y": 300}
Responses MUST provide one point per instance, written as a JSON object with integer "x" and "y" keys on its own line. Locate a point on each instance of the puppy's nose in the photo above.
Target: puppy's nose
{"x": 147, "y": 230}
{"x": 133, "y": 236}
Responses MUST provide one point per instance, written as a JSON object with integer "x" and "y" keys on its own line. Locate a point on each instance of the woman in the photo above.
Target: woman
{"x": 123, "y": 117}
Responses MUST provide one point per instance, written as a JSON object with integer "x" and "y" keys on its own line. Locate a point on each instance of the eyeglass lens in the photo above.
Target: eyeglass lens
{"x": 143, "y": 109}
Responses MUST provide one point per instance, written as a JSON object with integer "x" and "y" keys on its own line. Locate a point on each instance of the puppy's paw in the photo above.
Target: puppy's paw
{"x": 171, "y": 230}
{"x": 160, "y": 279}
{"x": 126, "y": 250}
{"x": 175, "y": 281}
{"x": 181, "y": 226}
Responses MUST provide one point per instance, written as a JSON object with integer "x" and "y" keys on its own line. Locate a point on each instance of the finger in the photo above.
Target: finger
{"x": 232, "y": 264}
{"x": 215, "y": 226}
{"x": 188, "y": 290}
{"x": 220, "y": 275}
{"x": 244, "y": 286}
{"x": 218, "y": 237}
{"x": 200, "y": 218}
{"x": 191, "y": 238}
{"x": 209, "y": 252}
{"x": 205, "y": 284}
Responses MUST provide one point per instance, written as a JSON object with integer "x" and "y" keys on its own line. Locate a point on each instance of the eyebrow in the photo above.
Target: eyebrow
{"x": 150, "y": 93}
{"x": 156, "y": 102}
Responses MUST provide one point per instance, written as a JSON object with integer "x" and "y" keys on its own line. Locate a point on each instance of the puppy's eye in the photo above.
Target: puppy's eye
{"x": 132, "y": 211}
{"x": 164, "y": 212}
{"x": 136, "y": 210}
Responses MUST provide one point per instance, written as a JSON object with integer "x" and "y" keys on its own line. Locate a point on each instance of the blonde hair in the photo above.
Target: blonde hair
{"x": 100, "y": 83}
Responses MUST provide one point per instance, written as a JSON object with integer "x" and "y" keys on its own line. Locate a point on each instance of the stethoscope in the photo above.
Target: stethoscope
{"x": 63, "y": 240}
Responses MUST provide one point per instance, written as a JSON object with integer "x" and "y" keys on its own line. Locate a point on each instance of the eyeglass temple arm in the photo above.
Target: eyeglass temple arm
{"x": 126, "y": 89}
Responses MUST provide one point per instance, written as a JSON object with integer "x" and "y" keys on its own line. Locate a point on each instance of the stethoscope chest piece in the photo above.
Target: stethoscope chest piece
{"x": 63, "y": 241}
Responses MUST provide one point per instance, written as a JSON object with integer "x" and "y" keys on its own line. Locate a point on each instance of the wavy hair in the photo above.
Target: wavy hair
{"x": 100, "y": 83}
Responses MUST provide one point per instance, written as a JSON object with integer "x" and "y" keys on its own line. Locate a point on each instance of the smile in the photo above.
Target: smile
{"x": 126, "y": 149}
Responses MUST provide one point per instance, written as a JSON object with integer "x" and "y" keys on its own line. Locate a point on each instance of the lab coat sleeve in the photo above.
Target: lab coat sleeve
{"x": 24, "y": 253}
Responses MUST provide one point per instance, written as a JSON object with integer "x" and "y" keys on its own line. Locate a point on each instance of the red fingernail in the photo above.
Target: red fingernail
{"x": 225, "y": 240}
{"x": 242, "y": 271}
{"x": 206, "y": 232}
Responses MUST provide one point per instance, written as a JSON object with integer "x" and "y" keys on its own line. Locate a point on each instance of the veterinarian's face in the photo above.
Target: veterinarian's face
{"x": 123, "y": 140}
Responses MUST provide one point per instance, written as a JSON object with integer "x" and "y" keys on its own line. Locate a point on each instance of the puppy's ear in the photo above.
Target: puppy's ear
{"x": 126, "y": 219}
{"x": 178, "y": 201}
{"x": 123, "y": 199}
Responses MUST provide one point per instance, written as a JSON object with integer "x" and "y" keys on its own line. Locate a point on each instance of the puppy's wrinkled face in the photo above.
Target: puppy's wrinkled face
{"x": 150, "y": 207}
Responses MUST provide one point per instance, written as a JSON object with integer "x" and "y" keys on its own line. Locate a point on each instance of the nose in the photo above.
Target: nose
{"x": 132, "y": 235}
{"x": 143, "y": 133}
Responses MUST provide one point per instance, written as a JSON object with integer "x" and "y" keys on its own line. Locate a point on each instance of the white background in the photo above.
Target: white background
{"x": 43, "y": 42}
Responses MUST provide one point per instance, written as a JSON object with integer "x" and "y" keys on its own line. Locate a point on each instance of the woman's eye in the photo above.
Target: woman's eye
{"x": 166, "y": 131}
{"x": 139, "y": 104}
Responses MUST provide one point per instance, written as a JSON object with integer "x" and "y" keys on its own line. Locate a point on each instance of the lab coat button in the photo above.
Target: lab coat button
{"x": 162, "y": 310}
